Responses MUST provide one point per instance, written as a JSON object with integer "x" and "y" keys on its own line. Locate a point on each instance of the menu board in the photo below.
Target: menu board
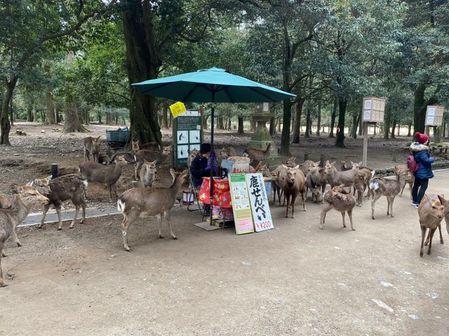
{"x": 187, "y": 135}
{"x": 241, "y": 206}
{"x": 259, "y": 202}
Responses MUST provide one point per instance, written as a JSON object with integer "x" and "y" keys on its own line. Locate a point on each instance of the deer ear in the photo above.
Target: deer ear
{"x": 442, "y": 200}
{"x": 296, "y": 167}
{"x": 284, "y": 166}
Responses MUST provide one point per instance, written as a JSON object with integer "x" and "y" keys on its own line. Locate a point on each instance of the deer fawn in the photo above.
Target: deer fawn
{"x": 91, "y": 146}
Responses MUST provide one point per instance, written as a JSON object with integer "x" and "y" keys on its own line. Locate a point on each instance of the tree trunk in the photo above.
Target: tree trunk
{"x": 297, "y": 124}
{"x": 393, "y": 128}
{"x": 5, "y": 124}
{"x": 143, "y": 62}
{"x": 285, "y": 137}
{"x": 50, "y": 108}
{"x": 399, "y": 129}
{"x": 30, "y": 115}
{"x": 72, "y": 122}
{"x": 409, "y": 133}
{"x": 165, "y": 114}
{"x": 272, "y": 130}
{"x": 308, "y": 132}
{"x": 355, "y": 125}
{"x": 387, "y": 122}
{"x": 318, "y": 126}
{"x": 229, "y": 124}
{"x": 342, "y": 103}
{"x": 99, "y": 117}
{"x": 220, "y": 122}
{"x": 419, "y": 108}
{"x": 240, "y": 129}
{"x": 333, "y": 116}
{"x": 109, "y": 117}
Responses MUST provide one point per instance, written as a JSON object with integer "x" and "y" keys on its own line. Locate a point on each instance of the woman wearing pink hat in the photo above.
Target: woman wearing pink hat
{"x": 420, "y": 151}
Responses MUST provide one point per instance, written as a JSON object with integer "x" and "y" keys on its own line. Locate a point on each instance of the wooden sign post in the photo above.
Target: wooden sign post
{"x": 372, "y": 113}
{"x": 434, "y": 118}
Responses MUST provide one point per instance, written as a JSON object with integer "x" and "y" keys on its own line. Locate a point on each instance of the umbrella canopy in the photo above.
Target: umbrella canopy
{"x": 212, "y": 85}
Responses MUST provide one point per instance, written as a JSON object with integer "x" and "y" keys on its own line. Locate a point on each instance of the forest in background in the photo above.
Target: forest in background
{"x": 72, "y": 61}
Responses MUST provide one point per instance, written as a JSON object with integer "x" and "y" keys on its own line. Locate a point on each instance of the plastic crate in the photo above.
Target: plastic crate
{"x": 120, "y": 136}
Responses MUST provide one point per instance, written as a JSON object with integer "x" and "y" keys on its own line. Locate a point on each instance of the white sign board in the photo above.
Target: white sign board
{"x": 241, "y": 206}
{"x": 259, "y": 202}
{"x": 434, "y": 115}
{"x": 373, "y": 109}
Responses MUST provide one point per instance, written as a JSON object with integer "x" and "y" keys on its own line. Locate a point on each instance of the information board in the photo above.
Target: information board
{"x": 259, "y": 202}
{"x": 187, "y": 136}
{"x": 241, "y": 206}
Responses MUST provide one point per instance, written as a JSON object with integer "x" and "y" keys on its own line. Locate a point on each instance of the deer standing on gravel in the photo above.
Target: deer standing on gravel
{"x": 431, "y": 211}
{"x": 66, "y": 187}
{"x": 148, "y": 173}
{"x": 161, "y": 157}
{"x": 108, "y": 175}
{"x": 26, "y": 197}
{"x": 406, "y": 178}
{"x": 384, "y": 187}
{"x": 339, "y": 199}
{"x": 91, "y": 146}
{"x": 295, "y": 184}
{"x": 137, "y": 202}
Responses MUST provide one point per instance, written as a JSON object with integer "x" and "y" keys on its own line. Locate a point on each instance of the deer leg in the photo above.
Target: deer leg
{"x": 350, "y": 219}
{"x": 160, "y": 217}
{"x": 423, "y": 234}
{"x": 343, "y": 216}
{"x": 167, "y": 216}
{"x": 388, "y": 206}
{"x": 441, "y": 236}
{"x": 373, "y": 202}
{"x": 83, "y": 209}
{"x": 293, "y": 200}
{"x": 323, "y": 215}
{"x": 58, "y": 211}
{"x": 402, "y": 189}
{"x": 304, "y": 196}
{"x": 77, "y": 208}
{"x": 127, "y": 220}
{"x": 391, "y": 207}
{"x": 2, "y": 281}
{"x": 432, "y": 231}
{"x": 286, "y": 208}
{"x": 14, "y": 235}
{"x": 44, "y": 213}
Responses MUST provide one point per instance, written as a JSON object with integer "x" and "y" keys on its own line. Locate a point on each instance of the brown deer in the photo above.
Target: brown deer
{"x": 67, "y": 187}
{"x": 339, "y": 199}
{"x": 108, "y": 175}
{"x": 431, "y": 211}
{"x": 26, "y": 197}
{"x": 137, "y": 202}
{"x": 257, "y": 155}
{"x": 406, "y": 178}
{"x": 278, "y": 180}
{"x": 91, "y": 146}
{"x": 384, "y": 187}
{"x": 295, "y": 184}
{"x": 161, "y": 157}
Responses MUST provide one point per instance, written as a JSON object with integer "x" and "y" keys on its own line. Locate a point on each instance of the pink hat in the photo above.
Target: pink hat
{"x": 421, "y": 137}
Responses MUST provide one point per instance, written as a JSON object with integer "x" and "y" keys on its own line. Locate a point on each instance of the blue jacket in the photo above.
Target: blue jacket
{"x": 198, "y": 170}
{"x": 423, "y": 159}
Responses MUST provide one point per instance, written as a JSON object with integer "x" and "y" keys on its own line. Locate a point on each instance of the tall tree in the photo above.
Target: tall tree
{"x": 27, "y": 29}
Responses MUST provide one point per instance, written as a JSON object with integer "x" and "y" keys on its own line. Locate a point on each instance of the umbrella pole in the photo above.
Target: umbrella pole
{"x": 211, "y": 191}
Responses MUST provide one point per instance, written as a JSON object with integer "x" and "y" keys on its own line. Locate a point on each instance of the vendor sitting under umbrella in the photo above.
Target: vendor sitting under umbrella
{"x": 201, "y": 167}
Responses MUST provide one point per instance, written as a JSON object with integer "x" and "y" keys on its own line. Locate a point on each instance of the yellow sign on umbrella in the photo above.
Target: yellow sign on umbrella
{"x": 177, "y": 109}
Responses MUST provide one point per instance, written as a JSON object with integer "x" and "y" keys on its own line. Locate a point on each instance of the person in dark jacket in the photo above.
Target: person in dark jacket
{"x": 199, "y": 166}
{"x": 420, "y": 150}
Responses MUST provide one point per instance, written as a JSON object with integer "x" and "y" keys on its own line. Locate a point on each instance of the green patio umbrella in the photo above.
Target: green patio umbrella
{"x": 212, "y": 85}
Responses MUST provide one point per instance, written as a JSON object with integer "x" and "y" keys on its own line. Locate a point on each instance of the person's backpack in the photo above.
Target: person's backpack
{"x": 412, "y": 164}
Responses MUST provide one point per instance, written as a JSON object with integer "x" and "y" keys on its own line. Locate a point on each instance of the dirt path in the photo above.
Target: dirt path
{"x": 293, "y": 280}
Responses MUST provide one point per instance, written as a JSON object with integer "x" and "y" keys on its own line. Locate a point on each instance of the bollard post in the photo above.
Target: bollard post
{"x": 54, "y": 170}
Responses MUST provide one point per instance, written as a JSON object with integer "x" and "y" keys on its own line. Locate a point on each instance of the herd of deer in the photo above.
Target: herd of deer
{"x": 144, "y": 199}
